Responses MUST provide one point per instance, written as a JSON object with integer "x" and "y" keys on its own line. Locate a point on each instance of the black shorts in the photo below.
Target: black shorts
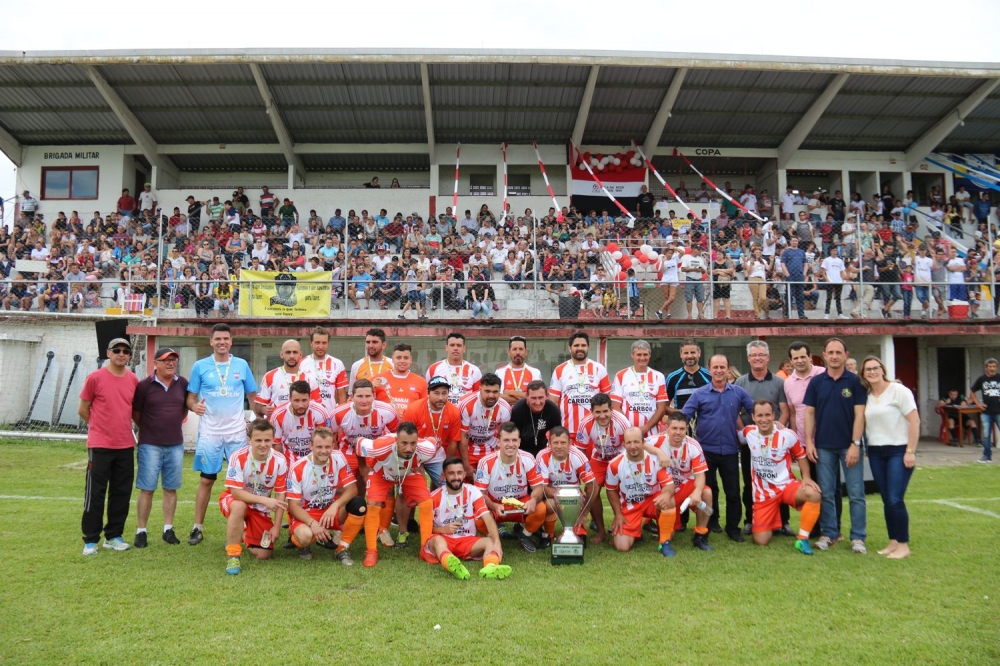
{"x": 721, "y": 290}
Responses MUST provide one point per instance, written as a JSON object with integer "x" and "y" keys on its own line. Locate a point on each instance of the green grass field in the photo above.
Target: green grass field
{"x": 740, "y": 604}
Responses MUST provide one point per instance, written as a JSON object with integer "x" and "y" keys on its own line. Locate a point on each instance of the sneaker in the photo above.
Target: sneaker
{"x": 544, "y": 541}
{"x": 305, "y": 553}
{"x": 667, "y": 550}
{"x": 289, "y": 545}
{"x": 456, "y": 568}
{"x": 715, "y": 529}
{"x": 786, "y": 531}
{"x": 371, "y": 558}
{"x": 700, "y": 542}
{"x": 747, "y": 529}
{"x": 858, "y": 546}
{"x": 195, "y": 537}
{"x": 802, "y": 545}
{"x": 386, "y": 539}
{"x": 170, "y": 537}
{"x": 233, "y": 566}
{"x": 505, "y": 532}
{"x": 735, "y": 536}
{"x": 824, "y": 543}
{"x": 652, "y": 528}
{"x": 117, "y": 543}
{"x": 497, "y": 571}
{"x": 90, "y": 549}
{"x": 141, "y": 540}
{"x": 402, "y": 540}
{"x": 345, "y": 558}
{"x": 527, "y": 543}
{"x": 828, "y": 316}
{"x": 659, "y": 315}
{"x": 984, "y": 460}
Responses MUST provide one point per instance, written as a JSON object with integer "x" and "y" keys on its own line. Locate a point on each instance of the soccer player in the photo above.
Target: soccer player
{"x": 362, "y": 416}
{"x": 295, "y": 421}
{"x": 463, "y": 377}
{"x": 275, "y": 387}
{"x": 561, "y": 464}
{"x": 439, "y": 421}
{"x": 316, "y": 511}
{"x": 255, "y": 471}
{"x": 687, "y": 468}
{"x": 216, "y": 389}
{"x": 640, "y": 393}
{"x": 328, "y": 371}
{"x": 601, "y": 437}
{"x": 576, "y": 381}
{"x": 397, "y": 385}
{"x": 640, "y": 487}
{"x": 395, "y": 461}
{"x": 511, "y": 481}
{"x": 516, "y": 375}
{"x": 459, "y": 511}
{"x": 771, "y": 452}
{"x": 481, "y": 413}
{"x": 374, "y": 363}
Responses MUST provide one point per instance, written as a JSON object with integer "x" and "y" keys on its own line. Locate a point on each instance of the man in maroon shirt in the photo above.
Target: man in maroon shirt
{"x": 106, "y": 407}
{"x": 126, "y": 204}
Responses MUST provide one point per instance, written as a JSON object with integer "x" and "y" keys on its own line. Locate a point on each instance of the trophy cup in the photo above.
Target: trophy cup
{"x": 567, "y": 505}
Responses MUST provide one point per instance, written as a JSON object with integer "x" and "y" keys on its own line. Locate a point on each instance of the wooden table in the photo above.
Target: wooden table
{"x": 959, "y": 413}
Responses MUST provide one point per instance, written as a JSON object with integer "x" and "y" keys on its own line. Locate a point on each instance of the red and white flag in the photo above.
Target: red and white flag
{"x": 623, "y": 180}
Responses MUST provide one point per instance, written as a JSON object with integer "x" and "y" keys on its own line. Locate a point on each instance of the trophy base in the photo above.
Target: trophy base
{"x": 567, "y": 553}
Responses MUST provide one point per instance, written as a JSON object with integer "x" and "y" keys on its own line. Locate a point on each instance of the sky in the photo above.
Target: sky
{"x": 896, "y": 30}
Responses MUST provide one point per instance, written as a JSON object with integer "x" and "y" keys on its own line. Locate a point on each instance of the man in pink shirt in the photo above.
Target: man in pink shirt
{"x": 106, "y": 407}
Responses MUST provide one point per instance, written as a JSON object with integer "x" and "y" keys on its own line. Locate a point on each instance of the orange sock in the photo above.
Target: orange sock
{"x": 372, "y": 520}
{"x": 700, "y": 530}
{"x": 385, "y": 516}
{"x": 234, "y": 550}
{"x": 299, "y": 544}
{"x": 444, "y": 560}
{"x": 533, "y": 522}
{"x": 808, "y": 518}
{"x": 425, "y": 514}
{"x": 492, "y": 558}
{"x": 550, "y": 526}
{"x": 665, "y": 521}
{"x": 352, "y": 526}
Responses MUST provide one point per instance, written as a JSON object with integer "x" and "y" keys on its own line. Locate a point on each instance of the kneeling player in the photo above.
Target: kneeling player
{"x": 560, "y": 464}
{"x": 254, "y": 471}
{"x": 459, "y": 511}
{"x": 771, "y": 452}
{"x": 639, "y": 487}
{"x": 316, "y": 511}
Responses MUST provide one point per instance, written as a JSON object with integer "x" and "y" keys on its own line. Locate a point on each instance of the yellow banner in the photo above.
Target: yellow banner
{"x": 267, "y": 294}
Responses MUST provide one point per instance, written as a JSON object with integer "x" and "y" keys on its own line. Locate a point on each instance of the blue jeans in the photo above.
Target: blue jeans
{"x": 854, "y": 478}
{"x": 798, "y": 295}
{"x": 907, "y": 302}
{"x": 485, "y": 307}
{"x": 155, "y": 461}
{"x": 989, "y": 421}
{"x": 434, "y": 470}
{"x": 892, "y": 478}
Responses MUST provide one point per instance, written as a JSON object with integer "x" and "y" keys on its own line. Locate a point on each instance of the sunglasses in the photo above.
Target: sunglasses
{"x": 121, "y": 350}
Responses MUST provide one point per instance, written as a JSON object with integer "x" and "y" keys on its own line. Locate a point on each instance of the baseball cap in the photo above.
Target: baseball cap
{"x": 163, "y": 352}
{"x": 437, "y": 382}
{"x": 119, "y": 341}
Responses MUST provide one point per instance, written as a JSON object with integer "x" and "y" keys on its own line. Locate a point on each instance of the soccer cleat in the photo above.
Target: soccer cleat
{"x": 386, "y": 539}
{"x": 824, "y": 543}
{"x": 90, "y": 549}
{"x": 371, "y": 558}
{"x": 667, "y": 550}
{"x": 402, "y": 540}
{"x": 802, "y": 545}
{"x": 652, "y": 528}
{"x": 786, "y": 531}
{"x": 233, "y": 567}
{"x": 456, "y": 568}
{"x": 345, "y": 558}
{"x": 544, "y": 541}
{"x": 858, "y": 546}
{"x": 505, "y": 532}
{"x": 141, "y": 540}
{"x": 497, "y": 571}
{"x": 195, "y": 537}
{"x": 715, "y": 529}
{"x": 527, "y": 543}
{"x": 700, "y": 542}
{"x": 747, "y": 529}
{"x": 170, "y": 537}
{"x": 117, "y": 543}
{"x": 305, "y": 554}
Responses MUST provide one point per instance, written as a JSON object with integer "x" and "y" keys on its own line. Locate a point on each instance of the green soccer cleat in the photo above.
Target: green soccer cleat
{"x": 456, "y": 568}
{"x": 802, "y": 545}
{"x": 498, "y": 571}
{"x": 233, "y": 566}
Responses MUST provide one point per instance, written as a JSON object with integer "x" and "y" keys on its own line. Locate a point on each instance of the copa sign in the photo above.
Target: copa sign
{"x": 707, "y": 151}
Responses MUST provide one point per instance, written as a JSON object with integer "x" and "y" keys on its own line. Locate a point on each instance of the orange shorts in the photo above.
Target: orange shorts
{"x": 255, "y": 523}
{"x": 767, "y": 514}
{"x": 378, "y": 489}
{"x": 460, "y": 547}
{"x": 315, "y": 514}
{"x": 634, "y": 517}
{"x": 682, "y": 493}
{"x": 600, "y": 469}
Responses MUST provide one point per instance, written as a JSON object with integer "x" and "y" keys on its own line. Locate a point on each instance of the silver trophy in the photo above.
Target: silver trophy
{"x": 567, "y": 504}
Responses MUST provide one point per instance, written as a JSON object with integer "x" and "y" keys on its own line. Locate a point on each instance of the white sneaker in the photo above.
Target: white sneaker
{"x": 90, "y": 549}
{"x": 858, "y": 546}
{"x": 117, "y": 544}
{"x": 386, "y": 539}
{"x": 829, "y": 316}
{"x": 824, "y": 543}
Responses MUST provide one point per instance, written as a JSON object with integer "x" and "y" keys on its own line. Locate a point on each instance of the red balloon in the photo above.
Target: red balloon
{"x": 618, "y": 169}
{"x": 586, "y": 156}
{"x": 618, "y": 156}
{"x": 630, "y": 154}
{"x": 622, "y": 276}
{"x": 599, "y": 157}
{"x": 612, "y": 247}
{"x": 643, "y": 259}
{"x": 626, "y": 263}
{"x": 637, "y": 254}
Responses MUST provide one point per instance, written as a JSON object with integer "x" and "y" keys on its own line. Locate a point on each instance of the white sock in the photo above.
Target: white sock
{"x": 140, "y": 530}
{"x": 197, "y": 526}
{"x": 526, "y": 533}
{"x": 167, "y": 527}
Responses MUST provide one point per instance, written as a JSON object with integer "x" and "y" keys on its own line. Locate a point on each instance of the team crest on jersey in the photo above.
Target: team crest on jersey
{"x": 846, "y": 393}
{"x": 541, "y": 424}
{"x": 231, "y": 474}
{"x": 236, "y": 375}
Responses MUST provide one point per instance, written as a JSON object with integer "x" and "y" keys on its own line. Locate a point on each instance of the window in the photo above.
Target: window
{"x": 519, "y": 184}
{"x": 481, "y": 184}
{"x": 69, "y": 182}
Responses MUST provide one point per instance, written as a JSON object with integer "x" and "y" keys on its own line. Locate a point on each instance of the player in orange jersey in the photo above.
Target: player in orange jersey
{"x": 254, "y": 472}
{"x": 516, "y": 375}
{"x": 771, "y": 453}
{"x": 576, "y": 381}
{"x": 295, "y": 421}
{"x": 361, "y": 416}
{"x": 639, "y": 487}
{"x": 275, "y": 387}
{"x": 328, "y": 371}
{"x": 459, "y": 512}
{"x": 482, "y": 413}
{"x": 561, "y": 464}
{"x": 374, "y": 362}
{"x": 462, "y": 375}
{"x": 640, "y": 393}
{"x": 397, "y": 385}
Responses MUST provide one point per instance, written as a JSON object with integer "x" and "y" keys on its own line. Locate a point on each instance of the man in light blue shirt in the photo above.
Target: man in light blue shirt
{"x": 337, "y": 222}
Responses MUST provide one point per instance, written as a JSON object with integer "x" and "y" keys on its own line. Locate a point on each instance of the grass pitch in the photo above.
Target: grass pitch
{"x": 740, "y": 604}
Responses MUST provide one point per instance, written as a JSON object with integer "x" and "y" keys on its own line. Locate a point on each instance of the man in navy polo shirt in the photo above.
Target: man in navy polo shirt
{"x": 835, "y": 421}
{"x": 793, "y": 266}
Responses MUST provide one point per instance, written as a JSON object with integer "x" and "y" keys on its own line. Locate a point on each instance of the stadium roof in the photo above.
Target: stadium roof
{"x": 322, "y": 109}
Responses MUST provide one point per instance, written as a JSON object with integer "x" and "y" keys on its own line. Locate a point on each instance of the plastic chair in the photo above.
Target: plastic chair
{"x": 943, "y": 433}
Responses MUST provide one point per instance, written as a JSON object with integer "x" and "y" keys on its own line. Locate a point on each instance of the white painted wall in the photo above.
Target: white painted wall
{"x": 112, "y": 178}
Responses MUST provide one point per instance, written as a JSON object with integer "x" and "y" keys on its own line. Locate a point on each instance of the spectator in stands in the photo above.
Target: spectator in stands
{"x": 479, "y": 294}
{"x": 957, "y": 290}
{"x": 833, "y": 272}
{"x": 695, "y": 269}
{"x": 223, "y": 301}
{"x": 723, "y": 272}
{"x": 756, "y": 268}
{"x": 512, "y": 270}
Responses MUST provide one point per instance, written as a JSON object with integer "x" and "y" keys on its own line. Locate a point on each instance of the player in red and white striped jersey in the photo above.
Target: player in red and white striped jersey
{"x": 462, "y": 376}
{"x": 516, "y": 375}
{"x": 328, "y": 371}
{"x": 361, "y": 416}
{"x": 771, "y": 453}
{"x": 561, "y": 464}
{"x": 576, "y": 381}
{"x": 601, "y": 437}
{"x": 688, "y": 469}
{"x": 481, "y": 413}
{"x": 274, "y": 389}
{"x": 295, "y": 421}
{"x": 640, "y": 393}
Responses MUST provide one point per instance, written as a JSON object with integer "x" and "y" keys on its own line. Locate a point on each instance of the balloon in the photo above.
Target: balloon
{"x": 617, "y": 169}
{"x": 583, "y": 167}
{"x": 600, "y": 166}
{"x": 654, "y": 255}
{"x": 599, "y": 157}
{"x": 593, "y": 161}
{"x": 586, "y": 156}
{"x": 643, "y": 259}
{"x": 630, "y": 154}
{"x": 616, "y": 255}
{"x": 626, "y": 263}
{"x": 637, "y": 253}
{"x": 622, "y": 275}
{"x": 612, "y": 247}
{"x": 617, "y": 161}
{"x": 645, "y": 248}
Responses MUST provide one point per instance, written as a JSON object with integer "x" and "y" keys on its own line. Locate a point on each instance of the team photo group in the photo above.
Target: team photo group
{"x": 469, "y": 463}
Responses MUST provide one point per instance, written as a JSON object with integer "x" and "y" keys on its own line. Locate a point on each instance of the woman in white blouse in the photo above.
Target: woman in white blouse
{"x": 892, "y": 426}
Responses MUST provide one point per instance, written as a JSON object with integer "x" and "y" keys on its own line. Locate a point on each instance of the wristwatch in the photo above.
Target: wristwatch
{"x": 857, "y": 443}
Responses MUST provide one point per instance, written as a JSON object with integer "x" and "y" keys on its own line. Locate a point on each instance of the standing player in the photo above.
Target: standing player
{"x": 771, "y": 452}
{"x": 516, "y": 375}
{"x": 315, "y": 509}
{"x": 601, "y": 437}
{"x": 397, "y": 385}
{"x": 463, "y": 377}
{"x": 511, "y": 482}
{"x": 362, "y": 416}
{"x": 640, "y": 393}
{"x": 328, "y": 371}
{"x": 481, "y": 413}
{"x": 576, "y": 381}
{"x": 561, "y": 464}
{"x": 395, "y": 462}
{"x": 275, "y": 388}
{"x": 295, "y": 421}
{"x": 439, "y": 421}
{"x": 690, "y": 377}
{"x": 639, "y": 487}
{"x": 687, "y": 469}
{"x": 374, "y": 363}
{"x": 217, "y": 388}
{"x": 459, "y": 510}
{"x": 254, "y": 472}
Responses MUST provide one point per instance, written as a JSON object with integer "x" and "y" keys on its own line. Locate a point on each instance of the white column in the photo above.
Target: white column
{"x": 887, "y": 350}
{"x": 782, "y": 185}
{"x": 291, "y": 176}
{"x": 907, "y": 184}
